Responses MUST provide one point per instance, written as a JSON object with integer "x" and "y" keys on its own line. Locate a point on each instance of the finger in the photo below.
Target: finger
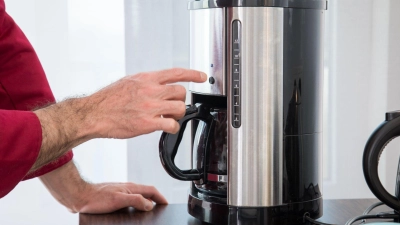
{"x": 167, "y": 125}
{"x": 148, "y": 192}
{"x": 173, "y": 109}
{"x": 174, "y": 92}
{"x": 180, "y": 75}
{"x": 136, "y": 201}
{"x": 170, "y": 116}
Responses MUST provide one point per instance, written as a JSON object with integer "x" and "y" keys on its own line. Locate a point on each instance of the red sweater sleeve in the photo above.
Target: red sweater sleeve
{"x": 20, "y": 141}
{"x": 23, "y": 86}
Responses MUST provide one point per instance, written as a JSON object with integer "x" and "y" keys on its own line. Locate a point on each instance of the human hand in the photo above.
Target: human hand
{"x": 142, "y": 103}
{"x": 135, "y": 105}
{"x": 109, "y": 197}
{"x": 77, "y": 195}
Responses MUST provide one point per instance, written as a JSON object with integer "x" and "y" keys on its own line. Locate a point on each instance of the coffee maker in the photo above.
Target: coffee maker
{"x": 257, "y": 122}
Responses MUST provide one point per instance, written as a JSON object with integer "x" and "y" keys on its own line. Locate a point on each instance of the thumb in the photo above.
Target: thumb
{"x": 138, "y": 202}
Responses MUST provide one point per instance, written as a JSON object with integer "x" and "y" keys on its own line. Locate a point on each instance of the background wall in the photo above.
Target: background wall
{"x": 86, "y": 44}
{"x": 362, "y": 59}
{"x": 81, "y": 45}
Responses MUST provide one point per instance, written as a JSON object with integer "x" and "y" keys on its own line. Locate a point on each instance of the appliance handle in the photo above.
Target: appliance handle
{"x": 169, "y": 143}
{"x": 386, "y": 132}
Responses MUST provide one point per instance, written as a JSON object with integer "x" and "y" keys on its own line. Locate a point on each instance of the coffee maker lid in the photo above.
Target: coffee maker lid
{"x": 301, "y": 4}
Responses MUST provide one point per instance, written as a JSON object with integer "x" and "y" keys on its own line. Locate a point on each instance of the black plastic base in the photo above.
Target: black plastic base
{"x": 220, "y": 214}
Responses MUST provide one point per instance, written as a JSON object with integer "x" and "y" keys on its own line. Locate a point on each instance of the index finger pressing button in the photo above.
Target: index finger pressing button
{"x": 180, "y": 75}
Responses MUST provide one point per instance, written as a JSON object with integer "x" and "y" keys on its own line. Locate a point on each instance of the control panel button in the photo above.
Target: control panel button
{"x": 211, "y": 80}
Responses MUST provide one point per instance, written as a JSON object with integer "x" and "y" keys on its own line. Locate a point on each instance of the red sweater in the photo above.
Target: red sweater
{"x": 23, "y": 86}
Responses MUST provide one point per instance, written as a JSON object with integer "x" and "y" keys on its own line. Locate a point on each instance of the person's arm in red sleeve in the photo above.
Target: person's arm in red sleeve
{"x": 133, "y": 106}
{"x": 23, "y": 85}
{"x": 130, "y": 107}
{"x": 20, "y": 141}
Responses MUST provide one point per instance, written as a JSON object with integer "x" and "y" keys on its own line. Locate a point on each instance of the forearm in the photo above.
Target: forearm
{"x": 65, "y": 184}
{"x": 64, "y": 126}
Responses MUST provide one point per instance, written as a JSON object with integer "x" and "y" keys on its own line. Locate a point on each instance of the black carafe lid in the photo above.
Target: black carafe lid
{"x": 302, "y": 4}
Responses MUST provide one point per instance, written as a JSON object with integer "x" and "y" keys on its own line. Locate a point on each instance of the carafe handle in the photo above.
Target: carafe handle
{"x": 386, "y": 132}
{"x": 169, "y": 143}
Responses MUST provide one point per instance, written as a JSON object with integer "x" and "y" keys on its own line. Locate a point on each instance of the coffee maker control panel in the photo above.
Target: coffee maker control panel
{"x": 236, "y": 74}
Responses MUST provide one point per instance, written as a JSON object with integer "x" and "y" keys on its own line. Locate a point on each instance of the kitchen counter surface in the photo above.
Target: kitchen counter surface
{"x": 335, "y": 211}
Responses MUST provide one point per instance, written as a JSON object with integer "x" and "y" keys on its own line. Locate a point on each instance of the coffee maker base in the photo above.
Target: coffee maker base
{"x": 289, "y": 214}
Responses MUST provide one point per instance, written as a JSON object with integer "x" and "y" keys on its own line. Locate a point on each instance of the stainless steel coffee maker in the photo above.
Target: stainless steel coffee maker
{"x": 257, "y": 122}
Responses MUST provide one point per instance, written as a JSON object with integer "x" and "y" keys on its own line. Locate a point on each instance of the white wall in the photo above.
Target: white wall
{"x": 393, "y": 90}
{"x": 81, "y": 46}
{"x": 361, "y": 53}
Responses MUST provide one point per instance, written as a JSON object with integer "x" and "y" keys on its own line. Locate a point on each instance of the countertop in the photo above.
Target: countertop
{"x": 335, "y": 211}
